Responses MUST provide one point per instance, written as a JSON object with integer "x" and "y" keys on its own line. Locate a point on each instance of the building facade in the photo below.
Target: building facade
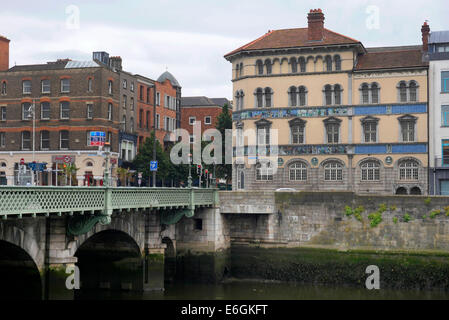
{"x": 438, "y": 57}
{"x": 47, "y": 114}
{"x": 338, "y": 115}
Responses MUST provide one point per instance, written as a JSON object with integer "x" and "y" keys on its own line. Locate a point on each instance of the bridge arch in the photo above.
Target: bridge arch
{"x": 169, "y": 260}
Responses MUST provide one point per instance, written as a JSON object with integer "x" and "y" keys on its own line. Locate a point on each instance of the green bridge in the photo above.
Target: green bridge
{"x": 87, "y": 205}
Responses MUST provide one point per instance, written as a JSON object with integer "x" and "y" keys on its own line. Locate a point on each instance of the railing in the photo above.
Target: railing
{"x": 20, "y": 201}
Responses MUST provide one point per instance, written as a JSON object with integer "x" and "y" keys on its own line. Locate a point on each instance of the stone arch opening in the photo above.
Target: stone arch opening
{"x": 169, "y": 260}
{"x": 401, "y": 191}
{"x": 111, "y": 261}
{"x": 415, "y": 191}
{"x": 19, "y": 274}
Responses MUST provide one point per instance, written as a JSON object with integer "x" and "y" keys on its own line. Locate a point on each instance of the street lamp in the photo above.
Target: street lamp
{"x": 154, "y": 132}
{"x": 106, "y": 152}
{"x": 32, "y": 113}
{"x": 189, "y": 180}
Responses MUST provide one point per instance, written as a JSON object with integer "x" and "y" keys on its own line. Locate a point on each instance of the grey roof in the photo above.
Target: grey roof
{"x": 197, "y": 102}
{"x": 40, "y": 67}
{"x": 439, "y": 37}
{"x": 167, "y": 75}
{"x": 221, "y": 102}
{"x": 81, "y": 64}
{"x": 396, "y": 48}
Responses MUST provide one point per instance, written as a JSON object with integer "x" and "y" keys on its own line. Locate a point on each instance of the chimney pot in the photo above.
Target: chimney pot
{"x": 425, "y": 31}
{"x": 315, "y": 25}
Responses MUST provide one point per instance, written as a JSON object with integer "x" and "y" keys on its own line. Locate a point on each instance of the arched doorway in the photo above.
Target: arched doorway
{"x": 109, "y": 261}
{"x": 415, "y": 191}
{"x": 19, "y": 275}
{"x": 169, "y": 261}
{"x": 401, "y": 191}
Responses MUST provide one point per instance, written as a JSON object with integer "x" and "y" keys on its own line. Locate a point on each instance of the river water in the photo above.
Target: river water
{"x": 252, "y": 290}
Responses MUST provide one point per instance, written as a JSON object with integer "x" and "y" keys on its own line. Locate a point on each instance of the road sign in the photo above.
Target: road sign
{"x": 97, "y": 138}
{"x": 153, "y": 165}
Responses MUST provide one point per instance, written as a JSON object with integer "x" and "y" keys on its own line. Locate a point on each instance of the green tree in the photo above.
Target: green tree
{"x": 224, "y": 122}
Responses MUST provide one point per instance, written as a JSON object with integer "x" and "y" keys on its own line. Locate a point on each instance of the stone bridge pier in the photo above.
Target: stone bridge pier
{"x": 138, "y": 250}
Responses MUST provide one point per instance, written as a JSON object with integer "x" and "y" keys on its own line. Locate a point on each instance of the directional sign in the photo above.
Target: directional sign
{"x": 97, "y": 138}
{"x": 153, "y": 166}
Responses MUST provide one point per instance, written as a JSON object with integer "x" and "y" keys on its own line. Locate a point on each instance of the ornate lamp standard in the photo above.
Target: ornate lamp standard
{"x": 189, "y": 180}
{"x": 106, "y": 152}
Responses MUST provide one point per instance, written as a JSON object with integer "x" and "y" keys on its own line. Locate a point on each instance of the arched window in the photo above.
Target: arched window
{"x": 374, "y": 93}
{"x": 408, "y": 170}
{"x": 4, "y": 87}
{"x": 328, "y": 61}
{"x": 328, "y": 94}
{"x": 337, "y": 63}
{"x": 333, "y": 171}
{"x": 302, "y": 64}
{"x": 293, "y": 96}
{"x": 298, "y": 171}
{"x": 415, "y": 191}
{"x": 237, "y": 101}
{"x": 241, "y": 69}
{"x": 403, "y": 92}
{"x": 131, "y": 126}
{"x": 268, "y": 66}
{"x": 412, "y": 91}
{"x": 259, "y": 98}
{"x": 242, "y": 101}
{"x": 370, "y": 170}
{"x": 89, "y": 164}
{"x": 237, "y": 70}
{"x": 302, "y": 95}
{"x": 268, "y": 99}
{"x": 401, "y": 191}
{"x": 294, "y": 65}
{"x": 264, "y": 171}
{"x": 124, "y": 123}
{"x": 259, "y": 66}
{"x": 365, "y": 93}
{"x": 337, "y": 94}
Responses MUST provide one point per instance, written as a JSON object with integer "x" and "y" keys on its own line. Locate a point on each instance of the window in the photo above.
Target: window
{"x": 109, "y": 111}
{"x": 140, "y": 117}
{"x": 263, "y": 134}
{"x": 268, "y": 66}
{"x": 192, "y": 120}
{"x": 109, "y": 137}
{"x": 148, "y": 120}
{"x": 198, "y": 224}
{"x": 125, "y": 101}
{"x": 407, "y": 128}
{"x": 445, "y": 81}
{"x": 132, "y": 103}
{"x": 337, "y": 63}
{"x": 408, "y": 170}
{"x": 148, "y": 95}
{"x": 132, "y": 86}
{"x": 365, "y": 93}
{"x": 412, "y": 91}
{"x": 89, "y": 85}
{"x": 237, "y": 70}
{"x": 445, "y": 115}
{"x": 298, "y": 172}
{"x": 302, "y": 95}
{"x": 328, "y": 95}
{"x": 259, "y": 66}
{"x": 64, "y": 140}
{"x": 125, "y": 84}
{"x": 110, "y": 86}
{"x": 90, "y": 111}
{"x": 45, "y": 140}
{"x": 65, "y": 85}
{"x": 27, "y": 112}
{"x": 158, "y": 121}
{"x": 328, "y": 62}
{"x": 26, "y": 140}
{"x": 370, "y": 171}
{"x": 264, "y": 171}
{"x": 370, "y": 129}
{"x": 158, "y": 99}
{"x": 259, "y": 98}
{"x": 302, "y": 64}
{"x": 337, "y": 94}
{"x": 26, "y": 86}
{"x": 332, "y": 129}
{"x": 131, "y": 124}
{"x": 293, "y": 96}
{"x": 141, "y": 93}
{"x": 207, "y": 120}
{"x": 241, "y": 68}
{"x": 297, "y": 130}
{"x": 4, "y": 87}
{"x": 239, "y": 100}
{"x": 2, "y": 140}
{"x": 124, "y": 122}
{"x": 268, "y": 100}
{"x": 445, "y": 153}
{"x": 294, "y": 65}
{"x": 65, "y": 110}
{"x": 45, "y": 86}
{"x": 45, "y": 110}
{"x": 333, "y": 171}
{"x": 192, "y": 138}
{"x": 374, "y": 93}
{"x": 403, "y": 92}
{"x": 3, "y": 113}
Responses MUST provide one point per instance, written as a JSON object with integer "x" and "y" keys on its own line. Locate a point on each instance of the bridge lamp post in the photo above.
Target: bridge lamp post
{"x": 154, "y": 132}
{"x": 189, "y": 180}
{"x": 32, "y": 114}
{"x": 106, "y": 152}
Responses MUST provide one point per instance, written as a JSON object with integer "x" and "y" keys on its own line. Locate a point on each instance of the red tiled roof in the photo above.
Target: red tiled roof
{"x": 291, "y": 38}
{"x": 388, "y": 58}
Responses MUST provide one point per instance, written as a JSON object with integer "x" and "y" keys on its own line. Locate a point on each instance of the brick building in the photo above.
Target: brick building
{"x": 70, "y": 99}
{"x": 201, "y": 109}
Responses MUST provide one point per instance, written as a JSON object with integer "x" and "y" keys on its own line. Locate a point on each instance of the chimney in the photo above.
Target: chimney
{"x": 4, "y": 53}
{"x": 316, "y": 25}
{"x": 115, "y": 63}
{"x": 425, "y": 30}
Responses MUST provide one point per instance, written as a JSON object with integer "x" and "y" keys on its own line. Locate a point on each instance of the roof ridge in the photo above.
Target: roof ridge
{"x": 341, "y": 35}
{"x": 250, "y": 43}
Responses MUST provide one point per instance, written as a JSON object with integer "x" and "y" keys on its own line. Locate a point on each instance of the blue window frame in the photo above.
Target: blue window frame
{"x": 445, "y": 81}
{"x": 445, "y": 152}
{"x": 445, "y": 115}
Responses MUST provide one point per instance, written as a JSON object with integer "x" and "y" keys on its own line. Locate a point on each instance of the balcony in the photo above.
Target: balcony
{"x": 439, "y": 163}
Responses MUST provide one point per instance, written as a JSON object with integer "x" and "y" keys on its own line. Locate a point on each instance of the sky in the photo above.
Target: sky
{"x": 190, "y": 37}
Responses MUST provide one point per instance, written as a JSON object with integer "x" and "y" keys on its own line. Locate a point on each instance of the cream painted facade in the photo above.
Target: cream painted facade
{"x": 399, "y": 166}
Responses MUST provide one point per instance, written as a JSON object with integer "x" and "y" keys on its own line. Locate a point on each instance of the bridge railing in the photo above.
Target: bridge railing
{"x": 45, "y": 200}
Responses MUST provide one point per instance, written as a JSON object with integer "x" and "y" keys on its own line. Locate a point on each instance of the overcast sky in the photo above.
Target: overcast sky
{"x": 190, "y": 37}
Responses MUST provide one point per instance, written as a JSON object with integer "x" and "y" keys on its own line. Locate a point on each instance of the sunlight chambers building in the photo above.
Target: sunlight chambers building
{"x": 348, "y": 117}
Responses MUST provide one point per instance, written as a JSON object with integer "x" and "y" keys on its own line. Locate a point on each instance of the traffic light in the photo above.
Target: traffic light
{"x": 198, "y": 169}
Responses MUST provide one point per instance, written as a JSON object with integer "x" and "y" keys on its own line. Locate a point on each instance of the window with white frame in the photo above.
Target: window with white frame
{"x": 369, "y": 125}
{"x": 192, "y": 120}
{"x": 333, "y": 171}
{"x": 26, "y": 140}
{"x": 45, "y": 86}
{"x": 264, "y": 171}
{"x": 2, "y": 139}
{"x": 332, "y": 126}
{"x": 407, "y": 124}
{"x": 125, "y": 84}
{"x": 65, "y": 110}
{"x": 109, "y": 111}
{"x": 27, "y": 112}
{"x": 4, "y": 87}
{"x": 298, "y": 171}
{"x": 65, "y": 85}
{"x": 64, "y": 140}
{"x": 370, "y": 170}
{"x": 45, "y": 110}
{"x": 208, "y": 120}
{"x": 408, "y": 92}
{"x": 26, "y": 86}
{"x": 110, "y": 88}
{"x": 89, "y": 111}
{"x": 408, "y": 170}
{"x": 89, "y": 85}
{"x": 45, "y": 140}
